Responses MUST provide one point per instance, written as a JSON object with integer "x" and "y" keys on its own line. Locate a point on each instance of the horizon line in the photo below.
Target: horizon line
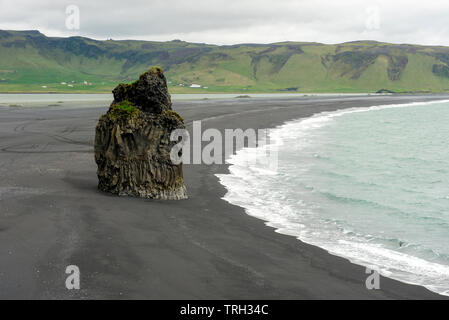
{"x": 221, "y": 45}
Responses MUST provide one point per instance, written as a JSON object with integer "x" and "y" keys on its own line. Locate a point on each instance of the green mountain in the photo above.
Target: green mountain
{"x": 32, "y": 62}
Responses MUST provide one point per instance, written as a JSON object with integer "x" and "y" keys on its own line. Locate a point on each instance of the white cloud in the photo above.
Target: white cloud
{"x": 237, "y": 21}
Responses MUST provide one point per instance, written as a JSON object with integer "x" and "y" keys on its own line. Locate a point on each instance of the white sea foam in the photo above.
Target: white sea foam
{"x": 249, "y": 187}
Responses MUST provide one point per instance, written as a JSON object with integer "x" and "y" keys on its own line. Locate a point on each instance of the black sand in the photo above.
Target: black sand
{"x": 52, "y": 216}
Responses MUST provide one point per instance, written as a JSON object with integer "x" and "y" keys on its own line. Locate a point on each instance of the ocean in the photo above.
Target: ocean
{"x": 367, "y": 184}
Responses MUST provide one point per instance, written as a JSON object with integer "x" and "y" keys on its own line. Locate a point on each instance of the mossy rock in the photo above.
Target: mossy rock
{"x": 132, "y": 141}
{"x": 149, "y": 93}
{"x": 123, "y": 110}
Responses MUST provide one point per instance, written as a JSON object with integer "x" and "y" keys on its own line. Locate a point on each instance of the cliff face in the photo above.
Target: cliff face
{"x": 132, "y": 141}
{"x": 358, "y": 66}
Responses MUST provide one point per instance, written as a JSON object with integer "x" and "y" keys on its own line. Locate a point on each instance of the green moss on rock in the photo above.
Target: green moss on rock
{"x": 156, "y": 70}
{"x": 149, "y": 93}
{"x": 123, "y": 110}
{"x": 176, "y": 115}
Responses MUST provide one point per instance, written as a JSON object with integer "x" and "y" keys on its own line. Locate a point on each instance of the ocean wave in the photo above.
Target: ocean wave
{"x": 259, "y": 195}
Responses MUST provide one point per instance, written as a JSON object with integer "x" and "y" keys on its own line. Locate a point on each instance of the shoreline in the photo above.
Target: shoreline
{"x": 280, "y": 228}
{"x": 205, "y": 92}
{"x": 131, "y": 248}
{"x": 409, "y": 99}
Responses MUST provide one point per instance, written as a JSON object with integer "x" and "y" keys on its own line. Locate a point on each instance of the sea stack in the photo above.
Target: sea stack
{"x": 132, "y": 141}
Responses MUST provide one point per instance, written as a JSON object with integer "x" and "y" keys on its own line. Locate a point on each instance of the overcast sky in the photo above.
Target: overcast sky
{"x": 230, "y": 21}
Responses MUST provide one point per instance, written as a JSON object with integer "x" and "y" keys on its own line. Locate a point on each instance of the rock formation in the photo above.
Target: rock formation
{"x": 132, "y": 141}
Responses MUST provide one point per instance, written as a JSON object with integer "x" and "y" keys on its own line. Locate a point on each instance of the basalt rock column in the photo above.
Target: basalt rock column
{"x": 132, "y": 141}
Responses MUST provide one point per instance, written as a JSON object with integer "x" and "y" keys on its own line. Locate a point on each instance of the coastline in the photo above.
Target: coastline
{"x": 200, "y": 248}
{"x": 243, "y": 184}
{"x": 388, "y": 290}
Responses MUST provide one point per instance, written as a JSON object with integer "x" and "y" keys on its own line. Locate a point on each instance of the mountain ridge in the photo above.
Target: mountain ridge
{"x": 33, "y": 62}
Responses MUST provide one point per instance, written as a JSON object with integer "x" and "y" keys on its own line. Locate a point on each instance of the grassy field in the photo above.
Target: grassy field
{"x": 32, "y": 62}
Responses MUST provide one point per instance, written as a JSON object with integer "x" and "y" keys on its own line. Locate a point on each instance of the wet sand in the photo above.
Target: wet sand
{"x": 52, "y": 216}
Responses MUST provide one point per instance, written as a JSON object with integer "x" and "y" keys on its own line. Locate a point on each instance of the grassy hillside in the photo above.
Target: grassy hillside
{"x": 32, "y": 62}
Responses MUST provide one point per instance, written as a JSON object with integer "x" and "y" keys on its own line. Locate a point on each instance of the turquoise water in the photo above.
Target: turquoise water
{"x": 371, "y": 185}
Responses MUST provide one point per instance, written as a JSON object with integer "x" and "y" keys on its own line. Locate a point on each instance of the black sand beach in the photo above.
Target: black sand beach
{"x": 52, "y": 216}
